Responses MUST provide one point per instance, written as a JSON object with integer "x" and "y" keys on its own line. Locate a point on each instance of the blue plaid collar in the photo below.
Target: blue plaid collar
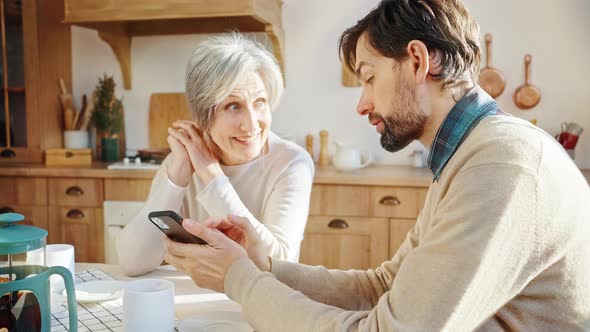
{"x": 464, "y": 116}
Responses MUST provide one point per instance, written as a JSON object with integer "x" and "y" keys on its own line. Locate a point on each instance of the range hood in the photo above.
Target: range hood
{"x": 118, "y": 21}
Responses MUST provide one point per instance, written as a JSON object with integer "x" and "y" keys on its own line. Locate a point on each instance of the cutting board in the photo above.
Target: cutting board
{"x": 165, "y": 108}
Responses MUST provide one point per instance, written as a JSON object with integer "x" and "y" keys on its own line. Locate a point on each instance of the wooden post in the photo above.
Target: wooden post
{"x": 309, "y": 145}
{"x": 324, "y": 158}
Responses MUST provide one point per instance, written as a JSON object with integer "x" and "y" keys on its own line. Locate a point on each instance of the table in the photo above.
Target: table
{"x": 188, "y": 298}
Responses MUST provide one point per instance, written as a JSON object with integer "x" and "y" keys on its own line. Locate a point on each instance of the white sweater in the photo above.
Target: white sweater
{"x": 272, "y": 192}
{"x": 502, "y": 244}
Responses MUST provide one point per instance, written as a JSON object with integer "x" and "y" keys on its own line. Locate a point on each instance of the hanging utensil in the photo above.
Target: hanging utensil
{"x": 490, "y": 78}
{"x": 527, "y": 95}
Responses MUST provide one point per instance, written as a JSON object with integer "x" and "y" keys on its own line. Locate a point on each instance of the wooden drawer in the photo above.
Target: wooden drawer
{"x": 126, "y": 189}
{"x": 340, "y": 200}
{"x": 345, "y": 243}
{"x": 23, "y": 191}
{"x": 76, "y": 192}
{"x": 314, "y": 200}
{"x": 34, "y": 215}
{"x": 394, "y": 202}
{"x": 81, "y": 227}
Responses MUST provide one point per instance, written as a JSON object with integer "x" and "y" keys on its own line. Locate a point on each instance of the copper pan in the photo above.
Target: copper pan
{"x": 527, "y": 95}
{"x": 490, "y": 78}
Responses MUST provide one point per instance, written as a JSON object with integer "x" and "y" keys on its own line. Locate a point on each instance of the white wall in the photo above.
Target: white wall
{"x": 554, "y": 32}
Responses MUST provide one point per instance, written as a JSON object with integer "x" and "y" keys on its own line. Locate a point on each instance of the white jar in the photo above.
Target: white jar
{"x": 418, "y": 158}
{"x": 76, "y": 139}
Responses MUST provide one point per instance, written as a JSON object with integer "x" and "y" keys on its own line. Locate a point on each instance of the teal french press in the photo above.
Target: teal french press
{"x": 25, "y": 302}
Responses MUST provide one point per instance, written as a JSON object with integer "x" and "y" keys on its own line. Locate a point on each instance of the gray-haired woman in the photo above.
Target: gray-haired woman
{"x": 227, "y": 161}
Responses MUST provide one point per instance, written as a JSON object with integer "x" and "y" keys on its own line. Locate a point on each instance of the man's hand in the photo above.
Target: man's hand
{"x": 241, "y": 231}
{"x": 205, "y": 264}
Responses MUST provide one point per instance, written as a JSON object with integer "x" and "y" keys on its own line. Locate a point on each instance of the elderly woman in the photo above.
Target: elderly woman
{"x": 227, "y": 161}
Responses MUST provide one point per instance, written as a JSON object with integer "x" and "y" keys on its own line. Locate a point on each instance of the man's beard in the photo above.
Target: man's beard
{"x": 404, "y": 124}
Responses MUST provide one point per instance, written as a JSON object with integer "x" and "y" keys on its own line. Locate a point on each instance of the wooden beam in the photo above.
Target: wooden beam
{"x": 120, "y": 42}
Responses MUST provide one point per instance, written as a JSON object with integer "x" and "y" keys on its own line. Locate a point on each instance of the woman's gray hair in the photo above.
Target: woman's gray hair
{"x": 216, "y": 66}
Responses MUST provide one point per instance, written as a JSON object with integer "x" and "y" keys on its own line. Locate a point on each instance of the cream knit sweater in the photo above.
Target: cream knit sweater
{"x": 502, "y": 244}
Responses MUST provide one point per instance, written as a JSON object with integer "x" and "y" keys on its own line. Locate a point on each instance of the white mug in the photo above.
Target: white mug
{"x": 148, "y": 305}
{"x": 57, "y": 255}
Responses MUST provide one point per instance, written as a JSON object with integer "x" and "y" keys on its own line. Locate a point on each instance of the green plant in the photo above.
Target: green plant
{"x": 108, "y": 110}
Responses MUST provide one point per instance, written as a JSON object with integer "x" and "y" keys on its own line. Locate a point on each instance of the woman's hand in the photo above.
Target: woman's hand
{"x": 205, "y": 164}
{"x": 242, "y": 232}
{"x": 180, "y": 170}
{"x": 205, "y": 264}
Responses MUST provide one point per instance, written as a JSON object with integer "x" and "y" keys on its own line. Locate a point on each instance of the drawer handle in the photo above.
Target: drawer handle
{"x": 8, "y": 153}
{"x": 338, "y": 224}
{"x": 6, "y": 209}
{"x": 69, "y": 154}
{"x": 74, "y": 191}
{"x": 390, "y": 201}
{"x": 75, "y": 214}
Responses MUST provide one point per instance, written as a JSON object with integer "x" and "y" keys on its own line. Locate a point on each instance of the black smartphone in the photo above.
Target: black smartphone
{"x": 170, "y": 223}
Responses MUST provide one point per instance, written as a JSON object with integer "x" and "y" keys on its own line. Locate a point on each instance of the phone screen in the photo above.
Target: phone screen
{"x": 170, "y": 224}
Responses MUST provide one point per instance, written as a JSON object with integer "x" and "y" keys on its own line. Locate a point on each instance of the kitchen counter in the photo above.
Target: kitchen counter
{"x": 96, "y": 170}
{"x": 377, "y": 175}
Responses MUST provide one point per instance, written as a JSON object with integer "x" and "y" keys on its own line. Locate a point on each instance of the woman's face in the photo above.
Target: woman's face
{"x": 241, "y": 122}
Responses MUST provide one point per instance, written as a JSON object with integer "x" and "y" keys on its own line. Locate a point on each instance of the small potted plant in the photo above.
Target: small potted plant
{"x": 108, "y": 117}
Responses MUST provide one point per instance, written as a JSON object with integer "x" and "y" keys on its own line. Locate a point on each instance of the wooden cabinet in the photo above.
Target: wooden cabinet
{"x": 342, "y": 243}
{"x": 81, "y": 227}
{"x": 75, "y": 192}
{"x": 358, "y": 227}
{"x": 126, "y": 189}
{"x": 75, "y": 216}
{"x": 35, "y": 52}
{"x": 117, "y": 21}
{"x": 356, "y": 221}
{"x": 34, "y": 215}
{"x": 23, "y": 191}
{"x": 27, "y": 196}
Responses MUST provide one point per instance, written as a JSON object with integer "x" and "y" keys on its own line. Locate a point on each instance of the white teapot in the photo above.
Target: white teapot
{"x": 348, "y": 158}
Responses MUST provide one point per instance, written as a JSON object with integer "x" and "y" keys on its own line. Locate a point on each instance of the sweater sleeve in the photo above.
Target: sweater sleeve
{"x": 480, "y": 250}
{"x": 140, "y": 245}
{"x": 285, "y": 214}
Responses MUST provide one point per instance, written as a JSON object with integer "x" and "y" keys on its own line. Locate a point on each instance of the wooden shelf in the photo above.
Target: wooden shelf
{"x": 16, "y": 89}
{"x": 118, "y": 21}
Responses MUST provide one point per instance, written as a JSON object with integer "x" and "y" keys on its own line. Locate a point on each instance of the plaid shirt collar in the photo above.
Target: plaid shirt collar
{"x": 464, "y": 116}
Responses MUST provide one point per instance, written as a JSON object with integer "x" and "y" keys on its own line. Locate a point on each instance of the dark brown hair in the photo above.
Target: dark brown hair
{"x": 442, "y": 25}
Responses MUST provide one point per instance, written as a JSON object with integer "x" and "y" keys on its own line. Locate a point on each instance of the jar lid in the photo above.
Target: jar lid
{"x": 16, "y": 239}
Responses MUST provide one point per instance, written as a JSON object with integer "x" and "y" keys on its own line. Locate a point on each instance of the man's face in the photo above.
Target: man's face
{"x": 388, "y": 97}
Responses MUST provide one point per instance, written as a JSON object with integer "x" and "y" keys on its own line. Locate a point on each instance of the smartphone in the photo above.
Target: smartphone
{"x": 170, "y": 223}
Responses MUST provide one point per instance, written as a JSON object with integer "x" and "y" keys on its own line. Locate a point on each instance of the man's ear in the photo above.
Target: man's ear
{"x": 420, "y": 60}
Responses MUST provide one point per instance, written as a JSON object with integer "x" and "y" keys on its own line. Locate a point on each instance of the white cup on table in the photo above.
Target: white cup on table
{"x": 148, "y": 305}
{"x": 56, "y": 255}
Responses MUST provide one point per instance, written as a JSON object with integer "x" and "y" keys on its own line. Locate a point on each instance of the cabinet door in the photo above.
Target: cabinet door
{"x": 345, "y": 243}
{"x": 30, "y": 114}
{"x": 126, "y": 189}
{"x": 34, "y": 215}
{"x": 398, "y": 230}
{"x": 81, "y": 227}
{"x": 23, "y": 191}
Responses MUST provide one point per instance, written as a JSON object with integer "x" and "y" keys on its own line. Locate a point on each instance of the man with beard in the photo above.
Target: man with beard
{"x": 502, "y": 241}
